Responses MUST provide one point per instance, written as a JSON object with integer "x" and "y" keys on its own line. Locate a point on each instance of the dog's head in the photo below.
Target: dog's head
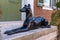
{"x": 26, "y": 8}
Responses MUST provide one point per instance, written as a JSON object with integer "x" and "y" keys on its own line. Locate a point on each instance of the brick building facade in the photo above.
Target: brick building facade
{"x": 11, "y": 9}
{"x": 39, "y": 11}
{"x": 43, "y": 8}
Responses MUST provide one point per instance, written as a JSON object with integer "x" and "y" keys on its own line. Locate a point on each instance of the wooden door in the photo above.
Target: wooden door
{"x": 10, "y": 10}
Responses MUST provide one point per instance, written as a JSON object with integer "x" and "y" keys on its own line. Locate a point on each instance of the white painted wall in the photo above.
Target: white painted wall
{"x": 31, "y": 2}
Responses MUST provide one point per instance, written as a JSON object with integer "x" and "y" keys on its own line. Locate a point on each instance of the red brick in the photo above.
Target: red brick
{"x": 38, "y": 11}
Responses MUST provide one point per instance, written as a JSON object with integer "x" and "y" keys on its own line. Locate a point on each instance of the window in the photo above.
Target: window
{"x": 54, "y": 4}
{"x": 58, "y": 0}
{"x": 40, "y": 2}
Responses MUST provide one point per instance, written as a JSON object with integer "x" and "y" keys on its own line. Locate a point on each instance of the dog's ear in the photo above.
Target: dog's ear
{"x": 29, "y": 5}
{"x": 25, "y": 5}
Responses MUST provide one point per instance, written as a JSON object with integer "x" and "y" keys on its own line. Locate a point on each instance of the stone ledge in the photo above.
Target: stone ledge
{"x": 50, "y": 36}
{"x": 32, "y": 34}
{"x": 38, "y": 34}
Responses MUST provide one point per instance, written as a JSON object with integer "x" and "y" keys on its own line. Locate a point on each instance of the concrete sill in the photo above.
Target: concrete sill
{"x": 47, "y": 8}
{"x": 33, "y": 34}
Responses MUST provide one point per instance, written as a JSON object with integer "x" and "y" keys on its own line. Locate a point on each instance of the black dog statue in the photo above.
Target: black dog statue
{"x": 30, "y": 22}
{"x": 38, "y": 22}
{"x": 25, "y": 27}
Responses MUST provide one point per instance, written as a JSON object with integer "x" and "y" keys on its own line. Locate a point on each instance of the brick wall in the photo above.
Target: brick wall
{"x": 38, "y": 11}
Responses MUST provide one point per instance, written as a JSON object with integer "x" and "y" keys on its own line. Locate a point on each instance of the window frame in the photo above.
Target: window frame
{"x": 40, "y": 3}
{"x": 51, "y": 7}
{"x": 54, "y": 4}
